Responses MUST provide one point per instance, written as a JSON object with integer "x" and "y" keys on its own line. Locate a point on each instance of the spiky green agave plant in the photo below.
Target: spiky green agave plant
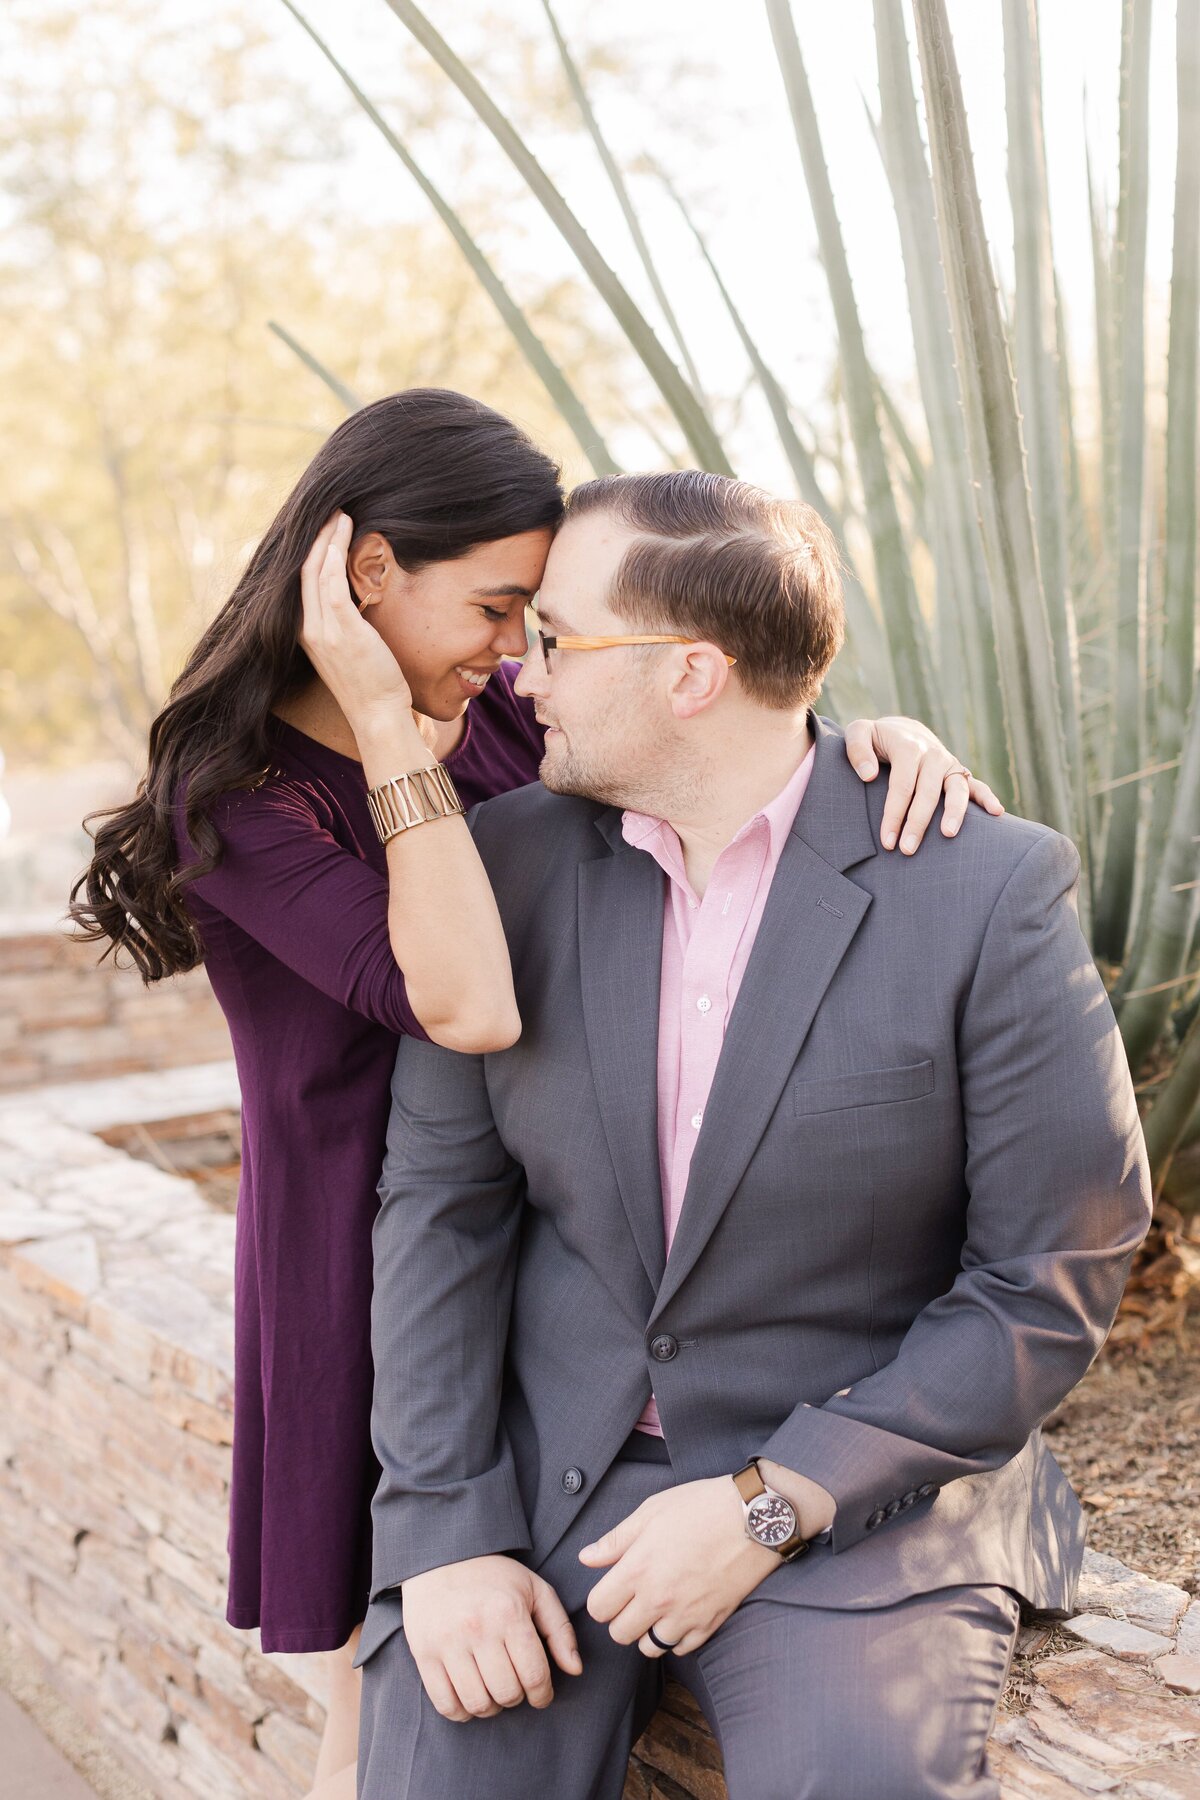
{"x": 1044, "y": 620}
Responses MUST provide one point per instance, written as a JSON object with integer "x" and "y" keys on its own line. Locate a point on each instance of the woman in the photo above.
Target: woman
{"x": 253, "y": 846}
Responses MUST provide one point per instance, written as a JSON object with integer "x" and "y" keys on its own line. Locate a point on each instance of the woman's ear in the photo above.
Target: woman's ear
{"x": 368, "y": 566}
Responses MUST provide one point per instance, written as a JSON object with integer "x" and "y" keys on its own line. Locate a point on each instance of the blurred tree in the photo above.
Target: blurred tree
{"x": 159, "y": 211}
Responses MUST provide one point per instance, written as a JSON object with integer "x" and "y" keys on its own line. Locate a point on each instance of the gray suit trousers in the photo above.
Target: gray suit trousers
{"x": 807, "y": 1703}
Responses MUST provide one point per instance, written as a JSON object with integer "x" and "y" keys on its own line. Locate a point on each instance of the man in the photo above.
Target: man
{"x": 714, "y": 1321}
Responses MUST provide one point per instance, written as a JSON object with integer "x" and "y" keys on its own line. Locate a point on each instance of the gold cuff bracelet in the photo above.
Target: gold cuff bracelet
{"x": 413, "y": 799}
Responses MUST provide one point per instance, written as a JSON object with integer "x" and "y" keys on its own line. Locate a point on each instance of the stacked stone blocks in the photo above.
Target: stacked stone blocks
{"x": 65, "y": 1016}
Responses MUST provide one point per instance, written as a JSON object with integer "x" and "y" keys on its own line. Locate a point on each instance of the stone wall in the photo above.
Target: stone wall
{"x": 115, "y": 1427}
{"x": 63, "y": 1018}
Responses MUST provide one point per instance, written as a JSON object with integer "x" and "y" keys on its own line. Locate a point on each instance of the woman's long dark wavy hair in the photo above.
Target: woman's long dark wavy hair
{"x": 433, "y": 472}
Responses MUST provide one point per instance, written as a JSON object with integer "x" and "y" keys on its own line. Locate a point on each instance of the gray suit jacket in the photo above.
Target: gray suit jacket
{"x": 912, "y": 1207}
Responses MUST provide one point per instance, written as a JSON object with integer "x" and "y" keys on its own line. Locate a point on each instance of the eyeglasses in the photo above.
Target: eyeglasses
{"x": 551, "y": 641}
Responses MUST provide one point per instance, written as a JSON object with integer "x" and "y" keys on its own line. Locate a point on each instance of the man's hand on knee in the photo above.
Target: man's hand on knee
{"x": 475, "y": 1630}
{"x": 680, "y": 1563}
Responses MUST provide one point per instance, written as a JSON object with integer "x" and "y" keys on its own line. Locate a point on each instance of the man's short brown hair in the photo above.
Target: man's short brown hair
{"x": 724, "y": 561}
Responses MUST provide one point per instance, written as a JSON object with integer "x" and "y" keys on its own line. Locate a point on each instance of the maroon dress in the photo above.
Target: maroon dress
{"x": 294, "y": 923}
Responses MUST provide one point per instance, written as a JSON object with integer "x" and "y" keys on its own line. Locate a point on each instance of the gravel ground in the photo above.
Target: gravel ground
{"x": 1129, "y": 1440}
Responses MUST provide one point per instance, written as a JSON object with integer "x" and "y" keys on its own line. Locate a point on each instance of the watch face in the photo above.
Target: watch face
{"x": 772, "y": 1520}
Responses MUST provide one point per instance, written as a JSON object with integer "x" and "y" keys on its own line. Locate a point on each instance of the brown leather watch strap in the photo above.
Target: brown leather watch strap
{"x": 749, "y": 1483}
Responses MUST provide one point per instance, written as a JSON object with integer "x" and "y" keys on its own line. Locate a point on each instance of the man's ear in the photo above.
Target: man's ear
{"x": 700, "y": 680}
{"x": 368, "y": 565}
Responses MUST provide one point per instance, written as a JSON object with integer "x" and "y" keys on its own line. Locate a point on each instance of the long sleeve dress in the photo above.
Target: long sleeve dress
{"x": 295, "y": 930}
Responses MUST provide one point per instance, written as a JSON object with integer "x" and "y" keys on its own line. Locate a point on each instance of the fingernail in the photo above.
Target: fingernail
{"x": 910, "y": 843}
{"x": 889, "y": 840}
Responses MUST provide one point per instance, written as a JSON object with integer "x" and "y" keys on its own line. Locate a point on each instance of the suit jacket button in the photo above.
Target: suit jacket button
{"x": 663, "y": 1349}
{"x": 909, "y": 1499}
{"x": 930, "y": 1487}
{"x": 572, "y": 1480}
{"x": 876, "y": 1518}
{"x": 892, "y": 1508}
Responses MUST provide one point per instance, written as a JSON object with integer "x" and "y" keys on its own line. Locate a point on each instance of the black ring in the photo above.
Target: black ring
{"x": 657, "y": 1641}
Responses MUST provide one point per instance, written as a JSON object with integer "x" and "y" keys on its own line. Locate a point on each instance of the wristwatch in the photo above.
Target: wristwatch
{"x": 770, "y": 1519}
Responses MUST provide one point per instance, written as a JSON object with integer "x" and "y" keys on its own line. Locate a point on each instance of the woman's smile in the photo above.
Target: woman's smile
{"x": 473, "y": 681}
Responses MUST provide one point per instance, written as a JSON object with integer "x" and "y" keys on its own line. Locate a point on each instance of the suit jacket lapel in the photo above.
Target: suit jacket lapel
{"x": 620, "y": 953}
{"x": 812, "y": 914}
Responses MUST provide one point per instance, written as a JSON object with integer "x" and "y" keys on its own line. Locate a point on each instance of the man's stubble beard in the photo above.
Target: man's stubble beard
{"x": 651, "y": 780}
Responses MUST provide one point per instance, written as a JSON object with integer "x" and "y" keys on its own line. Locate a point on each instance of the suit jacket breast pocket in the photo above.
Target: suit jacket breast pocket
{"x": 865, "y": 1087}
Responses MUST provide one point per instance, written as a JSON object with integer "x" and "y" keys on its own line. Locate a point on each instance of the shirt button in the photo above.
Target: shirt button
{"x": 704, "y": 1004}
{"x": 691, "y": 906}
{"x": 697, "y": 1121}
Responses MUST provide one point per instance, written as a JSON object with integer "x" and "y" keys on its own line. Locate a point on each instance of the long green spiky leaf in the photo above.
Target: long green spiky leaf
{"x": 865, "y": 646}
{"x": 1161, "y": 944}
{"x": 1168, "y": 933}
{"x": 574, "y": 413}
{"x": 1106, "y": 389}
{"x": 964, "y": 603}
{"x": 620, "y": 188}
{"x": 694, "y": 421}
{"x": 1115, "y": 897}
{"x": 1036, "y": 352}
{"x": 950, "y": 620}
{"x": 907, "y": 635}
{"x": 346, "y": 395}
{"x": 1083, "y": 548}
{"x": 800, "y": 459}
{"x": 1191, "y": 1131}
{"x": 1106, "y": 377}
{"x": 916, "y": 475}
{"x": 1023, "y": 642}
{"x": 1169, "y": 1120}
{"x": 1035, "y": 321}
{"x": 1183, "y": 384}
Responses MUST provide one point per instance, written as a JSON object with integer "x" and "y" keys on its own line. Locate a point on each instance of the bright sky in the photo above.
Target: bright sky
{"x": 736, "y": 160}
{"x": 751, "y": 198}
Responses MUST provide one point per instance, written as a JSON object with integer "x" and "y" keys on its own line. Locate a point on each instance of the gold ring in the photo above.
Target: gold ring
{"x": 960, "y": 769}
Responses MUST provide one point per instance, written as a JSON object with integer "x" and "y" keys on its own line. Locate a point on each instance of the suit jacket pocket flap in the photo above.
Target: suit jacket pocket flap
{"x": 866, "y": 1087}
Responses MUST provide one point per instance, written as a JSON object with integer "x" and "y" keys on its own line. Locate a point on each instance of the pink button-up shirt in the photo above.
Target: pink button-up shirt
{"x": 706, "y": 946}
